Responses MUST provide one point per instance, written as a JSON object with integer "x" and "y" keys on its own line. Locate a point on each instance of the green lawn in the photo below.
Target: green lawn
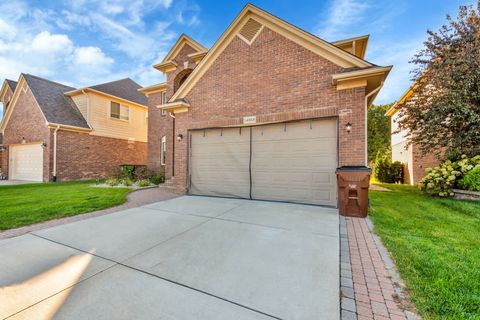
{"x": 26, "y": 204}
{"x": 436, "y": 245}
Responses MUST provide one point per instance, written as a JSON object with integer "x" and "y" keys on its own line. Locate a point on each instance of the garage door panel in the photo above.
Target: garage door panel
{"x": 295, "y": 162}
{"x": 26, "y": 162}
{"x": 219, "y": 162}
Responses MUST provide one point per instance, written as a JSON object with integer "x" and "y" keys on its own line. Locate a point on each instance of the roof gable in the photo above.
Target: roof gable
{"x": 56, "y": 107}
{"x": 323, "y": 48}
{"x": 356, "y": 46}
{"x": 181, "y": 42}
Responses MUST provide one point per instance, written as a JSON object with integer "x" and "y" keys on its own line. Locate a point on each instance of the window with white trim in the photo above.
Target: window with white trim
{"x": 119, "y": 111}
{"x": 164, "y": 101}
{"x": 163, "y": 151}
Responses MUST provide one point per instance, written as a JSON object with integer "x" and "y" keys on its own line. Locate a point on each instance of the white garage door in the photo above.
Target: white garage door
{"x": 293, "y": 162}
{"x": 26, "y": 162}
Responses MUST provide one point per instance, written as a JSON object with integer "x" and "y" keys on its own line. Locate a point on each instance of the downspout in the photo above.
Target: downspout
{"x": 173, "y": 144}
{"x": 366, "y": 119}
{"x": 55, "y": 153}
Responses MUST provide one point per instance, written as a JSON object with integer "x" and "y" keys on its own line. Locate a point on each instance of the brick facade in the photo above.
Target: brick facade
{"x": 79, "y": 155}
{"x": 163, "y": 125}
{"x": 84, "y": 156}
{"x": 274, "y": 79}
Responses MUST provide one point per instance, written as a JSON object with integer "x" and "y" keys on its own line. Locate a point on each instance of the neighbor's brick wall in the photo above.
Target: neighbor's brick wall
{"x": 83, "y": 156}
{"x": 27, "y": 122}
{"x": 421, "y": 162}
{"x": 276, "y": 80}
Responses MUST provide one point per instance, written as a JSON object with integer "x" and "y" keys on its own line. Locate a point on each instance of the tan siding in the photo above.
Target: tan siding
{"x": 103, "y": 125}
{"x": 82, "y": 104}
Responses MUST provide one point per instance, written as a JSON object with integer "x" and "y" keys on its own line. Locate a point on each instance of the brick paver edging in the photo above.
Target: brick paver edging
{"x": 370, "y": 287}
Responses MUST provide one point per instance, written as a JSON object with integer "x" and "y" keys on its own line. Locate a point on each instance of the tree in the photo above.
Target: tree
{"x": 378, "y": 132}
{"x": 443, "y": 113}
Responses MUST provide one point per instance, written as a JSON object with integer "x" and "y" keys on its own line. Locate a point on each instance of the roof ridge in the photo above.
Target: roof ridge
{"x": 100, "y": 84}
{"x": 54, "y": 82}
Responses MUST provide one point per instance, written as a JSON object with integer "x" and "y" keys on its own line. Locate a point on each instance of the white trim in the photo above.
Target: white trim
{"x": 163, "y": 149}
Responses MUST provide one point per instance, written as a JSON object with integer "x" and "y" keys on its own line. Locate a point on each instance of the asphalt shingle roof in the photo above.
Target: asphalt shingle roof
{"x": 124, "y": 88}
{"x": 56, "y": 107}
{"x": 12, "y": 84}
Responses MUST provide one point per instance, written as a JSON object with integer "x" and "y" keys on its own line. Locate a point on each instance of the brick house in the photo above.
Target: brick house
{"x": 409, "y": 154}
{"x": 53, "y": 132}
{"x": 269, "y": 112}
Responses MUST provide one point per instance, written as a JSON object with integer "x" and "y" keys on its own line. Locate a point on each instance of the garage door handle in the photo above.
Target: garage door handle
{"x": 354, "y": 198}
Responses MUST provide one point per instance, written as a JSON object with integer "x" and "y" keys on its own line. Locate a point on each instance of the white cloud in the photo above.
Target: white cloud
{"x": 45, "y": 42}
{"x": 7, "y": 31}
{"x": 341, "y": 15}
{"x": 92, "y": 56}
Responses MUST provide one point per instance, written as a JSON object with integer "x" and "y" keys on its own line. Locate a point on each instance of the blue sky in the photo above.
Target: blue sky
{"x": 86, "y": 42}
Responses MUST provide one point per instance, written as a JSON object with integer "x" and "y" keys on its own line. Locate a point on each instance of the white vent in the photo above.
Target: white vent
{"x": 250, "y": 30}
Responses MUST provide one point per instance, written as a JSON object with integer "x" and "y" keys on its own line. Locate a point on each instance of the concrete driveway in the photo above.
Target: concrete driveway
{"x": 185, "y": 258}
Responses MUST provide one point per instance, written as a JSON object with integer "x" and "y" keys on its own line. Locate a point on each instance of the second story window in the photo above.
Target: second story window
{"x": 119, "y": 111}
{"x": 164, "y": 101}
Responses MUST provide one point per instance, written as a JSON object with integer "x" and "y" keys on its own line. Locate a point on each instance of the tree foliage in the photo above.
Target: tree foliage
{"x": 378, "y": 131}
{"x": 444, "y": 110}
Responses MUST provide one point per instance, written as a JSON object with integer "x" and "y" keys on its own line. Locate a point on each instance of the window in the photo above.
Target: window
{"x": 119, "y": 111}
{"x": 164, "y": 101}
{"x": 163, "y": 151}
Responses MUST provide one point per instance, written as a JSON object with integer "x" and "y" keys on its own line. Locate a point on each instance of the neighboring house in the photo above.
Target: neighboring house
{"x": 409, "y": 154}
{"x": 53, "y": 132}
{"x": 269, "y": 112}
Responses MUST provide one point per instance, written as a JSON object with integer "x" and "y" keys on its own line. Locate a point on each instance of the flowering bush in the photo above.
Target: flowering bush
{"x": 442, "y": 179}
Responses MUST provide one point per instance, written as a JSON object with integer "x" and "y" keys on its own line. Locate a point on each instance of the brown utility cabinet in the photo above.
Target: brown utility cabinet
{"x": 353, "y": 183}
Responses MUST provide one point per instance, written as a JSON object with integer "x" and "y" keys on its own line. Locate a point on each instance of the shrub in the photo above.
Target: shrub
{"x": 443, "y": 178}
{"x": 112, "y": 181}
{"x": 386, "y": 171}
{"x": 471, "y": 181}
{"x": 143, "y": 183}
{"x": 126, "y": 171}
{"x": 157, "y": 178}
{"x": 126, "y": 182}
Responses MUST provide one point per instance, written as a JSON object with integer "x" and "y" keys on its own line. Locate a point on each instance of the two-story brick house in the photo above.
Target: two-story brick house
{"x": 269, "y": 112}
{"x": 55, "y": 132}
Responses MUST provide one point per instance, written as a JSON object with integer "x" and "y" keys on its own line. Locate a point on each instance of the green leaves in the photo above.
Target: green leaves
{"x": 443, "y": 115}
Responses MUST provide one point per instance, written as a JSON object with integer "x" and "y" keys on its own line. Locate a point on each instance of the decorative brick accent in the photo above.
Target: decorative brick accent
{"x": 274, "y": 79}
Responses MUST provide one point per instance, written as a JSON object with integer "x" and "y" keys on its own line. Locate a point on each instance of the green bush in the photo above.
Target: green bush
{"x": 443, "y": 178}
{"x": 143, "y": 183}
{"x": 126, "y": 171}
{"x": 471, "y": 181}
{"x": 386, "y": 171}
{"x": 157, "y": 178}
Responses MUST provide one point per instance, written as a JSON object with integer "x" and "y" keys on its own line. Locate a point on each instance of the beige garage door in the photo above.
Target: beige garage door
{"x": 292, "y": 162}
{"x": 26, "y": 162}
